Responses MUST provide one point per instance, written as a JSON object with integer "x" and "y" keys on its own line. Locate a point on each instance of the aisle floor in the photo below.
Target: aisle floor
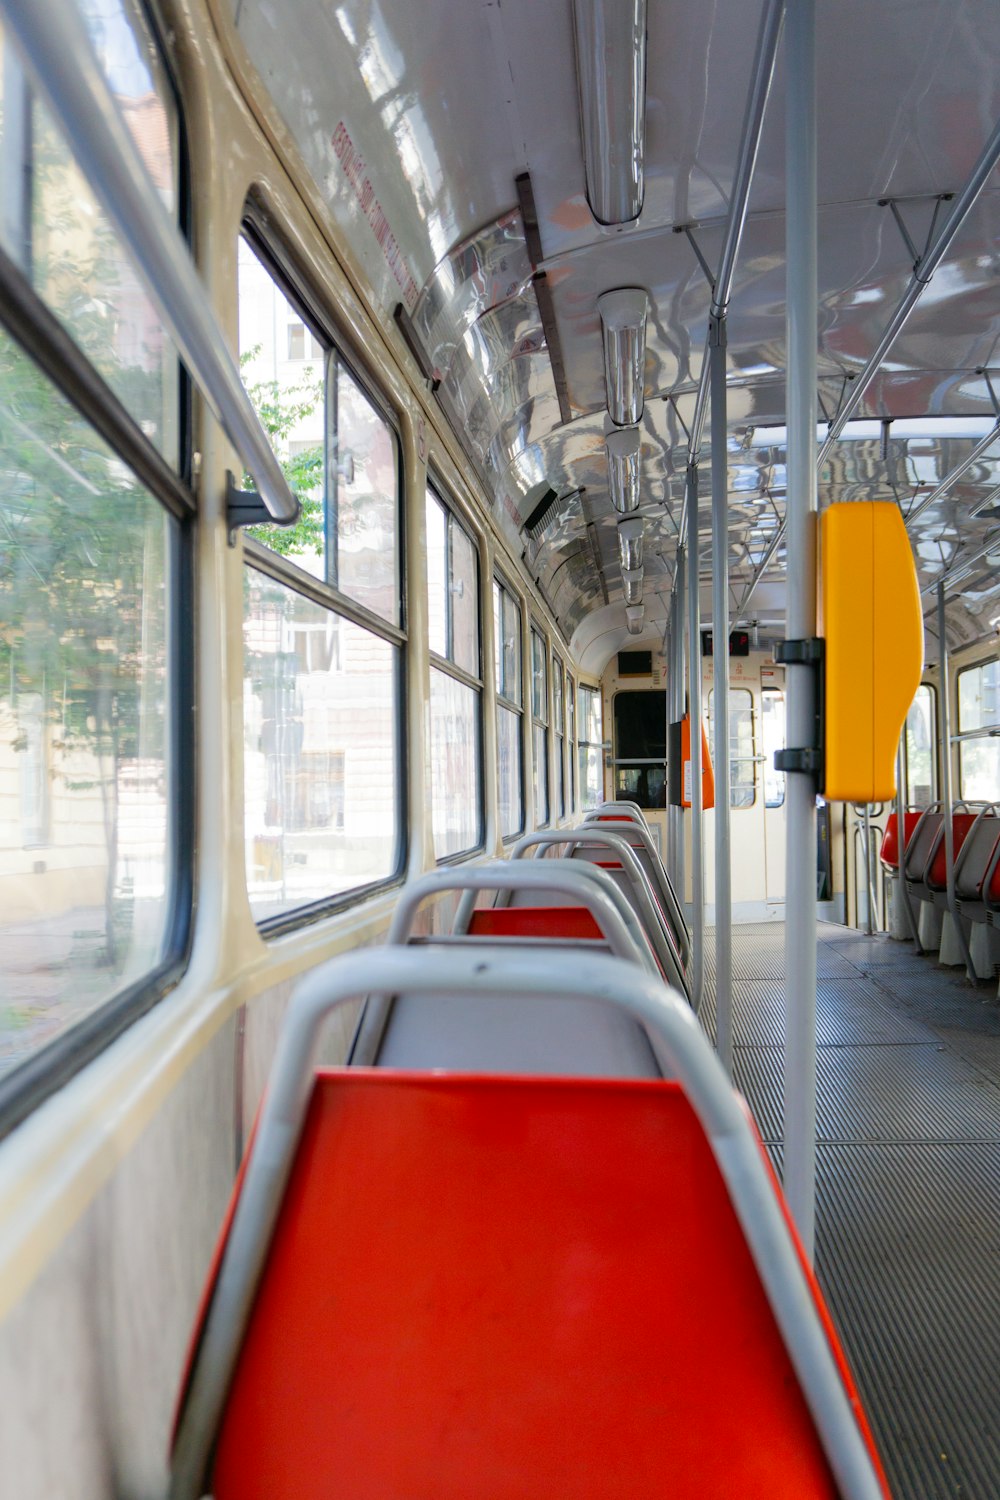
{"x": 908, "y": 1187}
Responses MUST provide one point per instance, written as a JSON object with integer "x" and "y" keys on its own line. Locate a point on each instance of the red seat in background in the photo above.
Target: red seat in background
{"x": 511, "y": 1289}
{"x": 937, "y": 873}
{"x": 889, "y": 852}
{"x": 534, "y": 921}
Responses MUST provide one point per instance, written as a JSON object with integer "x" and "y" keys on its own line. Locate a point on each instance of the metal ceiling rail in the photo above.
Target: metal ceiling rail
{"x": 962, "y": 569}
{"x": 923, "y": 271}
{"x": 761, "y": 77}
{"x": 939, "y": 492}
{"x": 54, "y": 43}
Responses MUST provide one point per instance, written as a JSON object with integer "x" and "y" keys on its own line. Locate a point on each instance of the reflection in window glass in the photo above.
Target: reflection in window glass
{"x": 463, "y": 592}
{"x": 772, "y": 733}
{"x": 921, "y": 734}
{"x": 86, "y": 727}
{"x": 54, "y": 229}
{"x": 590, "y": 752}
{"x": 362, "y": 531}
{"x": 321, "y": 751}
{"x": 978, "y": 708}
{"x": 742, "y": 762}
{"x": 507, "y": 643}
{"x": 509, "y": 771}
{"x": 455, "y": 789}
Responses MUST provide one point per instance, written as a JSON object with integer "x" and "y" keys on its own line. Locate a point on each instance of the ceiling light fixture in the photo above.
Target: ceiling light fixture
{"x": 634, "y": 614}
{"x": 623, "y": 468}
{"x": 630, "y": 542}
{"x": 623, "y": 320}
{"x": 611, "y": 72}
{"x": 632, "y": 580}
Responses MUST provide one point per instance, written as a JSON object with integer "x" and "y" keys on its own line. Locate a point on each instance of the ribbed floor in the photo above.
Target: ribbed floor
{"x": 908, "y": 1188}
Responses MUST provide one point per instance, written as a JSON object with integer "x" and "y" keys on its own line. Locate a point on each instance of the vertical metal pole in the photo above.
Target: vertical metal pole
{"x": 946, "y": 789}
{"x": 869, "y": 892}
{"x": 697, "y": 971}
{"x": 801, "y": 507}
{"x": 904, "y": 895}
{"x": 720, "y": 682}
{"x": 679, "y": 673}
{"x": 670, "y": 857}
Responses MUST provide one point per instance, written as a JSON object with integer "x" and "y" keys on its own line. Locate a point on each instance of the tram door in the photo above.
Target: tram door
{"x": 756, "y": 790}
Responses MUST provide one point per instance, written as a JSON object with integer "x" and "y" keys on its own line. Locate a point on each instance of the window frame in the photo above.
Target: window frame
{"x": 37, "y": 332}
{"x": 274, "y": 254}
{"x": 434, "y": 486}
{"x": 500, "y": 586}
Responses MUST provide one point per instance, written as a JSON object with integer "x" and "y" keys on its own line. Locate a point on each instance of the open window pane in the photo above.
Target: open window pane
{"x": 463, "y": 591}
{"x": 437, "y": 569}
{"x": 321, "y": 751}
{"x": 364, "y": 524}
{"x": 455, "y": 773}
{"x": 53, "y": 227}
{"x": 87, "y": 790}
{"x": 921, "y": 735}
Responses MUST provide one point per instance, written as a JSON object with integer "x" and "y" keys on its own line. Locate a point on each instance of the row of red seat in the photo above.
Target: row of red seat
{"x": 471, "y": 1282}
{"x": 976, "y": 851}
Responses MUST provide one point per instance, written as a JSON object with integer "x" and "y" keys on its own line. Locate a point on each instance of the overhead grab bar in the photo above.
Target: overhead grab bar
{"x": 55, "y": 46}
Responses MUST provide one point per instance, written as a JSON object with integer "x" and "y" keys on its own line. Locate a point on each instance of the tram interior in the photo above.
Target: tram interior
{"x": 438, "y": 931}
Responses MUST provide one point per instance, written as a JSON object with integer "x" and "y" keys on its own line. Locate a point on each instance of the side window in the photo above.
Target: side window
{"x": 507, "y": 652}
{"x": 978, "y": 723}
{"x": 590, "y": 747}
{"x": 920, "y": 746}
{"x": 742, "y": 759}
{"x": 95, "y": 698}
{"x": 772, "y": 734}
{"x": 559, "y": 732}
{"x": 322, "y": 691}
{"x": 456, "y": 682}
{"x": 539, "y": 726}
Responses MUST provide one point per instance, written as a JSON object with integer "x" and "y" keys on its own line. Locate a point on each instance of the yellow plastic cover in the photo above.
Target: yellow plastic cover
{"x": 870, "y": 617}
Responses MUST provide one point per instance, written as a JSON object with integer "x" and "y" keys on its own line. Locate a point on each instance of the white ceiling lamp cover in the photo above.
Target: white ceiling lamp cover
{"x": 623, "y": 320}
{"x": 634, "y": 617}
{"x": 611, "y": 72}
{"x": 630, "y": 542}
{"x": 632, "y": 579}
{"x": 623, "y": 469}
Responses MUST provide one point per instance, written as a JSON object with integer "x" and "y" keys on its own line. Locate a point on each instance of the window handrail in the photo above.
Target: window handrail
{"x": 54, "y": 43}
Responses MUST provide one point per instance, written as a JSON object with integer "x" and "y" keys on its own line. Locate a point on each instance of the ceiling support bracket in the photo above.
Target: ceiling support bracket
{"x": 687, "y": 230}
{"x": 917, "y": 257}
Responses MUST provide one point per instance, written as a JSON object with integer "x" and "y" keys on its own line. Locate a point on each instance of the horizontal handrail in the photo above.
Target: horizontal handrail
{"x": 55, "y": 45}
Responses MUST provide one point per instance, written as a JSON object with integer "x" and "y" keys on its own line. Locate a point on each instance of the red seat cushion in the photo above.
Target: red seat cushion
{"x": 535, "y": 921}
{"x": 511, "y": 1289}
